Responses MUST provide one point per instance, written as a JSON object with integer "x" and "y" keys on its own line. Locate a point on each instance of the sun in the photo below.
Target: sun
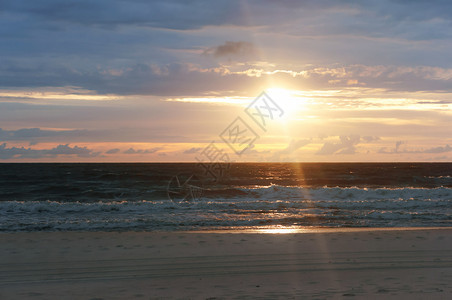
{"x": 288, "y": 100}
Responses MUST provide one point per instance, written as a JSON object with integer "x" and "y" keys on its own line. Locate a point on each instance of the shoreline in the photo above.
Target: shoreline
{"x": 266, "y": 230}
{"x": 392, "y": 263}
{"x": 307, "y": 230}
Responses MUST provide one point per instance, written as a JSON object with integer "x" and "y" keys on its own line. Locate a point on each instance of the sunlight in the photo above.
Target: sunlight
{"x": 281, "y": 230}
{"x": 288, "y": 100}
{"x": 242, "y": 101}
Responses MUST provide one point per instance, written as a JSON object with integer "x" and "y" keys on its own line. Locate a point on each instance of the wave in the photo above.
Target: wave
{"x": 240, "y": 206}
{"x": 273, "y": 192}
{"x": 257, "y": 196}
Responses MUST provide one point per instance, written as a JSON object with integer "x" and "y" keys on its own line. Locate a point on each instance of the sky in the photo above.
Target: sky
{"x": 188, "y": 81}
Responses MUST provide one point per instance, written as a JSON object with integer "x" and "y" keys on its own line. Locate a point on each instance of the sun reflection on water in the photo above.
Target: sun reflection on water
{"x": 282, "y": 230}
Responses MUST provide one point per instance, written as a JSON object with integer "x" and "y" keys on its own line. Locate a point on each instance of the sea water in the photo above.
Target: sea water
{"x": 185, "y": 196}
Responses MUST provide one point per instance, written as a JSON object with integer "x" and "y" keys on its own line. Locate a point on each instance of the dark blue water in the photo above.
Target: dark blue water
{"x": 105, "y": 197}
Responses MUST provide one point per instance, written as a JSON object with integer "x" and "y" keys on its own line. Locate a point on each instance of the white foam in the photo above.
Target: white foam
{"x": 252, "y": 206}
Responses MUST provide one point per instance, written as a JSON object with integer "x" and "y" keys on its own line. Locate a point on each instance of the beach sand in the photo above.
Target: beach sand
{"x": 321, "y": 264}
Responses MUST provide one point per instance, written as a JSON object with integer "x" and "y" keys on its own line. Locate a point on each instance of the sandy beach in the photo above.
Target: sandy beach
{"x": 322, "y": 264}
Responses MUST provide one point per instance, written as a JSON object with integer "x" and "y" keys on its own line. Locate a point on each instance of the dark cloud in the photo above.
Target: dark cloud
{"x": 233, "y": 49}
{"x": 181, "y": 15}
{"x": 113, "y": 46}
{"x": 408, "y": 10}
{"x": 175, "y": 79}
{"x": 15, "y": 152}
{"x": 177, "y": 14}
{"x": 183, "y": 79}
{"x": 406, "y": 20}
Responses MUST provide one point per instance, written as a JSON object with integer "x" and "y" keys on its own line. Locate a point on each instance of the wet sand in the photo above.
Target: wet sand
{"x": 320, "y": 264}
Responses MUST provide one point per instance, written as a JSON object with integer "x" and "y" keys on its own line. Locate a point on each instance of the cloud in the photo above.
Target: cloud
{"x": 15, "y": 152}
{"x": 391, "y": 77}
{"x": 251, "y": 151}
{"x": 183, "y": 79}
{"x": 397, "y": 145}
{"x": 142, "y": 151}
{"x": 396, "y": 150}
{"x": 174, "y": 79}
{"x": 66, "y": 115}
{"x": 33, "y": 134}
{"x": 195, "y": 14}
{"x": 233, "y": 49}
{"x": 440, "y": 158}
{"x": 192, "y": 150}
{"x": 369, "y": 139}
{"x": 439, "y": 149}
{"x": 293, "y": 146}
{"x": 132, "y": 151}
{"x": 110, "y": 14}
{"x": 113, "y": 46}
{"x": 113, "y": 151}
{"x": 346, "y": 145}
{"x": 153, "y": 150}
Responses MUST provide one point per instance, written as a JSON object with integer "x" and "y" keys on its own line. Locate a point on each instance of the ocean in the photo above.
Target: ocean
{"x": 189, "y": 197}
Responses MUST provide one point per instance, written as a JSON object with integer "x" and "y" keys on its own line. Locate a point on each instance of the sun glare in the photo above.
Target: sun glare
{"x": 288, "y": 100}
{"x": 281, "y": 230}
